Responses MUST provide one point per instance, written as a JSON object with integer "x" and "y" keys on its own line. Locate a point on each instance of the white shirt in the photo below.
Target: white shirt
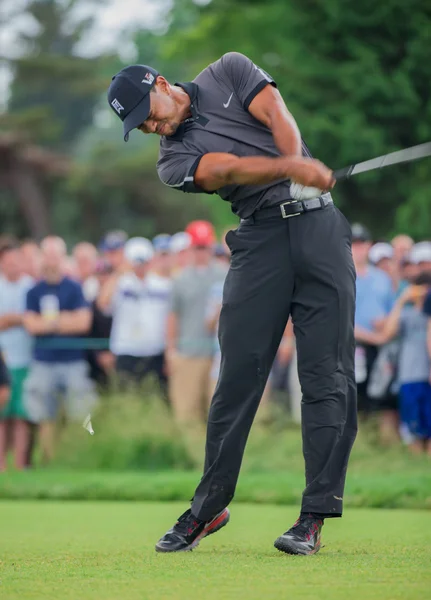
{"x": 15, "y": 343}
{"x": 140, "y": 309}
{"x": 90, "y": 288}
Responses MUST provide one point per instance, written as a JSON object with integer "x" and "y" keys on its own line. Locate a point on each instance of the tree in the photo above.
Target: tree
{"x": 355, "y": 75}
{"x": 54, "y": 91}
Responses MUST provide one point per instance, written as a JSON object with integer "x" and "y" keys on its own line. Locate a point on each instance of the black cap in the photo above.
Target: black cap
{"x": 360, "y": 233}
{"x": 129, "y": 95}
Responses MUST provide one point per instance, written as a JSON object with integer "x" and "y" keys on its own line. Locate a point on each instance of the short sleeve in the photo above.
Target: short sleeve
{"x": 247, "y": 79}
{"x": 32, "y": 301}
{"x": 79, "y": 300}
{"x": 177, "y": 170}
{"x": 427, "y": 305}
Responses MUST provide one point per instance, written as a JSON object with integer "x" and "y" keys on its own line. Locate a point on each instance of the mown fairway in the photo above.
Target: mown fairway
{"x": 105, "y": 550}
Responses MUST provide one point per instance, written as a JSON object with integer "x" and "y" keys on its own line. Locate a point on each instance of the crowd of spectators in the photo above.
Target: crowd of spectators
{"x": 71, "y": 323}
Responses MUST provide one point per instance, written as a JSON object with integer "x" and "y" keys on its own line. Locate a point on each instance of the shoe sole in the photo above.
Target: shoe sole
{"x": 213, "y": 526}
{"x": 285, "y": 546}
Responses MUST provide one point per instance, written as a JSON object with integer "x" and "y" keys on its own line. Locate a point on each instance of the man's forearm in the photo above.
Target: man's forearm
{"x": 216, "y": 170}
{"x": 255, "y": 170}
{"x": 36, "y": 324}
{"x": 171, "y": 332}
{"x": 107, "y": 292}
{"x": 9, "y": 320}
{"x": 74, "y": 323}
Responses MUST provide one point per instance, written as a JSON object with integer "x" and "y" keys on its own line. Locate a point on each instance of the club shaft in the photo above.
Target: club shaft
{"x": 393, "y": 158}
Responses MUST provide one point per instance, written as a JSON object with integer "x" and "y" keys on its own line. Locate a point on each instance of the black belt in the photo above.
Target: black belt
{"x": 291, "y": 208}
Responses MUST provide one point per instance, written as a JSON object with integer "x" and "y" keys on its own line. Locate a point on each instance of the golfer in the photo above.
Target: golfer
{"x": 229, "y": 132}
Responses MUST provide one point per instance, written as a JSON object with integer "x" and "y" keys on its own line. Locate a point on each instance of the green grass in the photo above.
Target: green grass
{"x": 136, "y": 432}
{"x": 404, "y": 489}
{"x": 104, "y": 551}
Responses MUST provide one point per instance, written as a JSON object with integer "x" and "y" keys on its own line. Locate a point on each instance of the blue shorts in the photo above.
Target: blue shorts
{"x": 415, "y": 408}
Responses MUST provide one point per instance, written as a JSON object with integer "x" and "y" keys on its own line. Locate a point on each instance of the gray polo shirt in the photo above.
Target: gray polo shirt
{"x": 220, "y": 97}
{"x": 191, "y": 291}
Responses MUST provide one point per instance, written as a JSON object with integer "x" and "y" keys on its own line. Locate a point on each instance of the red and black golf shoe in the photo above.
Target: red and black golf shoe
{"x": 188, "y": 532}
{"x": 302, "y": 538}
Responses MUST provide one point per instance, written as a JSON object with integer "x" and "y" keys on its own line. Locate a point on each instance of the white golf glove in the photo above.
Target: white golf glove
{"x": 302, "y": 192}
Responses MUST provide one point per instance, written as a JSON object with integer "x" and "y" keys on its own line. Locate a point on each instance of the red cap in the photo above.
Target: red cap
{"x": 201, "y": 233}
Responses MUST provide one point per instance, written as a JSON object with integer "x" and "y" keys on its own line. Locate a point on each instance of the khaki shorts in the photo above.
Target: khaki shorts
{"x": 47, "y": 382}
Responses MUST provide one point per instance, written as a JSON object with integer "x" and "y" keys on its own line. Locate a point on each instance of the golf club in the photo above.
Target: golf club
{"x": 393, "y": 158}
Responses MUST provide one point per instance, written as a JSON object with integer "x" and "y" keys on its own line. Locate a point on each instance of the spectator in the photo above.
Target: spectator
{"x": 180, "y": 247}
{"x": 112, "y": 248}
{"x": 420, "y": 255}
{"x": 56, "y": 313}
{"x": 190, "y": 345}
{"x": 4, "y": 399}
{"x": 85, "y": 257}
{"x": 31, "y": 259}
{"x": 139, "y": 302}
{"x": 101, "y": 359}
{"x": 402, "y": 245}
{"x": 70, "y": 268}
{"x": 416, "y": 262}
{"x": 374, "y": 299}
{"x": 16, "y": 346}
{"x": 381, "y": 256}
{"x": 409, "y": 321}
{"x": 162, "y": 260}
{"x": 409, "y": 271}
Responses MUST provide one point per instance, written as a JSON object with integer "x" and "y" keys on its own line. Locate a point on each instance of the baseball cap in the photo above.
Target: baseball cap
{"x": 138, "y": 250}
{"x": 162, "y": 243}
{"x": 360, "y": 233}
{"x": 421, "y": 252}
{"x": 201, "y": 233}
{"x": 129, "y": 95}
{"x": 380, "y": 251}
{"x": 113, "y": 240}
{"x": 180, "y": 241}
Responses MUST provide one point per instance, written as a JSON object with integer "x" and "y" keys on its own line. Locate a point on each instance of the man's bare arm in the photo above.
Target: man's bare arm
{"x": 107, "y": 292}
{"x": 216, "y": 169}
{"x": 9, "y": 320}
{"x": 269, "y": 108}
{"x": 74, "y": 322}
{"x": 36, "y": 324}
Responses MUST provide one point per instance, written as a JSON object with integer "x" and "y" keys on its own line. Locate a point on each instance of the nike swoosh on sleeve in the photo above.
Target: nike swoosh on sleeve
{"x": 228, "y": 102}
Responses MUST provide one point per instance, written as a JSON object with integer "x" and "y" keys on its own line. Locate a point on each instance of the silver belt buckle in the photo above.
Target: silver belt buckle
{"x": 283, "y": 210}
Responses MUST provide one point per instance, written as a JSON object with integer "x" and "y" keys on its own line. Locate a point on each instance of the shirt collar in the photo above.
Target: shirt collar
{"x": 192, "y": 90}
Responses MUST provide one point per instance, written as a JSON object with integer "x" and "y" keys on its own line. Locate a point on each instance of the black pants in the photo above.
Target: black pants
{"x": 300, "y": 266}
